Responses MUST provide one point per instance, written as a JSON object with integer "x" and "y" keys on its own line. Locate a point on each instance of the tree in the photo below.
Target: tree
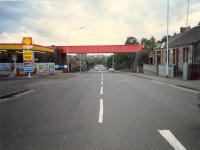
{"x": 164, "y": 38}
{"x": 151, "y": 43}
{"x": 109, "y": 62}
{"x": 144, "y": 41}
{"x": 128, "y": 60}
{"x": 131, "y": 40}
{"x": 123, "y": 60}
{"x": 142, "y": 56}
{"x": 89, "y": 64}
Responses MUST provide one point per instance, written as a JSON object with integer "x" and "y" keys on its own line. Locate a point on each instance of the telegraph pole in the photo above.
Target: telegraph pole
{"x": 187, "y": 13}
{"x": 113, "y": 61}
{"x": 167, "y": 63}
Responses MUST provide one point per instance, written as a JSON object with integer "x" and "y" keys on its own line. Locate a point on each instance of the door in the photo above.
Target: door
{"x": 177, "y": 57}
{"x": 158, "y": 57}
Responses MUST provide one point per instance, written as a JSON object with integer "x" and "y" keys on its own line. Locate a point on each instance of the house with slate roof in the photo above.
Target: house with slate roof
{"x": 184, "y": 55}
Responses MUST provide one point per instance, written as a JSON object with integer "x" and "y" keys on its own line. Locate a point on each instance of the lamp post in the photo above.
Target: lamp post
{"x": 113, "y": 61}
{"x": 167, "y": 62}
{"x": 80, "y": 62}
{"x": 68, "y": 44}
{"x": 187, "y": 14}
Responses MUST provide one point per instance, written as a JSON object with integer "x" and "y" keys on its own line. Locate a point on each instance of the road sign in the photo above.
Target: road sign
{"x": 28, "y": 67}
{"x": 27, "y": 55}
{"x": 65, "y": 66}
{"x": 28, "y": 61}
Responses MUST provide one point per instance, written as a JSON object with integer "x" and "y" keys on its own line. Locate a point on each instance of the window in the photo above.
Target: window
{"x": 185, "y": 54}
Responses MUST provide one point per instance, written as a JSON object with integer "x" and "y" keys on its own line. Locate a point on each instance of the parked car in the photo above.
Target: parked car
{"x": 96, "y": 69}
{"x": 111, "y": 70}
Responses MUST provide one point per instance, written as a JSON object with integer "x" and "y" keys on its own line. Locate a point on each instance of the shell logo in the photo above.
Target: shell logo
{"x": 27, "y": 41}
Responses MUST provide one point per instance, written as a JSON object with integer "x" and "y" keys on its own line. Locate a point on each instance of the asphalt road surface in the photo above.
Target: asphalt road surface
{"x": 101, "y": 111}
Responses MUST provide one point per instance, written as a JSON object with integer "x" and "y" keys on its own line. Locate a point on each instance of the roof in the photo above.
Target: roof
{"x": 160, "y": 46}
{"x": 17, "y": 46}
{"x": 188, "y": 37}
{"x": 102, "y": 48}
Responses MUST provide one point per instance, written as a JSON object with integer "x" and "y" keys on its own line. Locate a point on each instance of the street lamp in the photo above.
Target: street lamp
{"x": 187, "y": 14}
{"x": 113, "y": 61}
{"x": 68, "y": 44}
{"x": 167, "y": 63}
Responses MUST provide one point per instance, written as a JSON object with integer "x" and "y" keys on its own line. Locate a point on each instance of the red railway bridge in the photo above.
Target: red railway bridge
{"x": 62, "y": 51}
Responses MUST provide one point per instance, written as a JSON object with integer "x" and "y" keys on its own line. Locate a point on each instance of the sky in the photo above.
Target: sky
{"x": 106, "y": 22}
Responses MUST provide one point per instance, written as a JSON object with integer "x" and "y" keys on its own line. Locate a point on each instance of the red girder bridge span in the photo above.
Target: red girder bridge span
{"x": 102, "y": 49}
{"x": 64, "y": 50}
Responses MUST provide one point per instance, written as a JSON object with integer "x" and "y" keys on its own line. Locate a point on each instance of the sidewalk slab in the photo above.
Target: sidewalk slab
{"x": 190, "y": 84}
{"x": 18, "y": 84}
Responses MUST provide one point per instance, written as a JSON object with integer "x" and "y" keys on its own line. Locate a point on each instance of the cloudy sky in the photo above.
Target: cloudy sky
{"x": 105, "y": 21}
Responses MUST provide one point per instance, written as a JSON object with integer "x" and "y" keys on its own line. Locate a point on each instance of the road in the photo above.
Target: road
{"x": 101, "y": 111}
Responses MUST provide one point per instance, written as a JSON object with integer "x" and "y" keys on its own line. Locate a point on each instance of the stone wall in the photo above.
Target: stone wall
{"x": 162, "y": 71}
{"x": 150, "y": 69}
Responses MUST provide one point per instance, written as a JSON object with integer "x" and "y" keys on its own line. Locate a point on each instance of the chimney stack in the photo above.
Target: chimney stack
{"x": 183, "y": 29}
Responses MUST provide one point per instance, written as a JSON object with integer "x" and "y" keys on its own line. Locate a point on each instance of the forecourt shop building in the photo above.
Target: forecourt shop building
{"x": 10, "y": 52}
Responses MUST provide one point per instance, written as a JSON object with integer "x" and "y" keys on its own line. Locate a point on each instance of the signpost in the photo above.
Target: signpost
{"x": 28, "y": 55}
{"x": 28, "y": 61}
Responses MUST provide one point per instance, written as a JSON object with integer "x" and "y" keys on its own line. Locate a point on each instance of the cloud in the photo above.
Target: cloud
{"x": 106, "y": 21}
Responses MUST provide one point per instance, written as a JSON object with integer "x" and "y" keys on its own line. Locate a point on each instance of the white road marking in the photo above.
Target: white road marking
{"x": 123, "y": 80}
{"x": 101, "y": 92}
{"x": 101, "y": 111}
{"x": 182, "y": 88}
{"x": 101, "y": 76}
{"x": 171, "y": 139}
{"x": 161, "y": 83}
{"x": 101, "y": 83}
{"x": 174, "y": 86}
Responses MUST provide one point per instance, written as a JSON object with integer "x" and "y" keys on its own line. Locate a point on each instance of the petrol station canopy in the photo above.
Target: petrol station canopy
{"x": 19, "y": 47}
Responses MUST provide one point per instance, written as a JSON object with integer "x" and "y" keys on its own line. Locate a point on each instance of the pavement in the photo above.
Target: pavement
{"x": 10, "y": 86}
{"x": 189, "y": 84}
{"x": 101, "y": 111}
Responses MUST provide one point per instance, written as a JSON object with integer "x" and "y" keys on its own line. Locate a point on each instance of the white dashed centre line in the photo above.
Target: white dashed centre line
{"x": 171, "y": 139}
{"x": 101, "y": 76}
{"x": 101, "y": 101}
{"x": 101, "y": 111}
{"x": 101, "y": 92}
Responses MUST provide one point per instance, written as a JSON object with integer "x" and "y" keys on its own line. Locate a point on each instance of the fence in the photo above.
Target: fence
{"x": 193, "y": 71}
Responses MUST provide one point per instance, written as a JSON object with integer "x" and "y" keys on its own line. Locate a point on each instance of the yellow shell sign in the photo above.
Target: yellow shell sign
{"x": 27, "y": 41}
{"x": 27, "y": 55}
